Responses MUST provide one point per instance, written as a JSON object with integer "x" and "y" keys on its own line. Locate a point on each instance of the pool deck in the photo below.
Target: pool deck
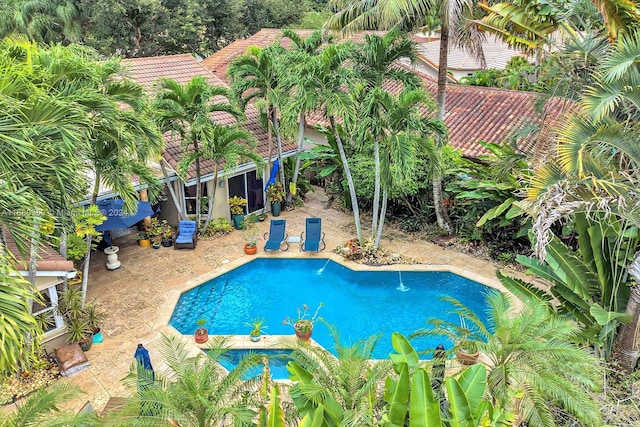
{"x": 139, "y": 297}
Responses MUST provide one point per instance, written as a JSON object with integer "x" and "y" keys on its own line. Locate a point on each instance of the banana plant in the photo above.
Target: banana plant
{"x": 317, "y": 408}
{"x": 411, "y": 400}
{"x": 591, "y": 283}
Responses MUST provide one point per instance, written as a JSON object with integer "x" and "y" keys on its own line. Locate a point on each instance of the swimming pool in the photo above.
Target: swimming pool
{"x": 359, "y": 303}
{"x": 278, "y": 359}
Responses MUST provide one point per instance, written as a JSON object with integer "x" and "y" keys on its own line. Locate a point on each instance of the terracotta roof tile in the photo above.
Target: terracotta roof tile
{"x": 48, "y": 258}
{"x": 219, "y": 61}
{"x": 476, "y": 114}
{"x": 183, "y": 68}
{"x": 472, "y": 113}
{"x": 180, "y": 68}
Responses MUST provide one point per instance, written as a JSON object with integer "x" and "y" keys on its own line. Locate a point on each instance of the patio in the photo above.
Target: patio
{"x": 139, "y": 297}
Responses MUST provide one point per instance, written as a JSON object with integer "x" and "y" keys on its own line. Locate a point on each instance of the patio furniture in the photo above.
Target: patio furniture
{"x": 186, "y": 235}
{"x": 277, "y": 236}
{"x": 314, "y": 241}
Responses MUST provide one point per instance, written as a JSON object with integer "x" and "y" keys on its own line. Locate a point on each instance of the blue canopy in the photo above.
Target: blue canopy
{"x": 274, "y": 172}
{"x": 116, "y": 218}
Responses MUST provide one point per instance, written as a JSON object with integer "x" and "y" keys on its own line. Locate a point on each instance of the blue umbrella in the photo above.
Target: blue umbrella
{"x": 146, "y": 375}
{"x": 272, "y": 178}
{"x": 113, "y": 210}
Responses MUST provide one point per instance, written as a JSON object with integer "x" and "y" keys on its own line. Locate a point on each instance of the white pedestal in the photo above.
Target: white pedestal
{"x": 112, "y": 257}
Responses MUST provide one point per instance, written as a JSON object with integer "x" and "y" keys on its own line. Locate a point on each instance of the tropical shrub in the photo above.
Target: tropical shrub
{"x": 591, "y": 283}
{"x": 535, "y": 369}
{"x": 218, "y": 226}
{"x": 486, "y": 200}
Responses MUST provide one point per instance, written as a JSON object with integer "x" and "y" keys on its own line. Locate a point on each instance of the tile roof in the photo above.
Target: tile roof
{"x": 219, "y": 61}
{"x": 496, "y": 52}
{"x": 180, "y": 68}
{"x": 183, "y": 68}
{"x": 48, "y": 258}
{"x": 476, "y": 114}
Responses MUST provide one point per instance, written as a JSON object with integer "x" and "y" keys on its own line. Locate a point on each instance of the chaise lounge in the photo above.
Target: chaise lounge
{"x": 277, "y": 236}
{"x": 314, "y": 241}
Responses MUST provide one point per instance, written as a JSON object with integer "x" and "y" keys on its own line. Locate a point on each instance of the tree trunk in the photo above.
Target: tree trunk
{"x": 383, "y": 213}
{"x": 441, "y": 213}
{"x": 198, "y": 186}
{"x": 269, "y": 142}
{"x": 63, "y": 252}
{"x": 87, "y": 258}
{"x": 276, "y": 129}
{"x": 626, "y": 348}
{"x": 376, "y": 190}
{"x": 172, "y": 193}
{"x": 347, "y": 172}
{"x": 213, "y": 195}
{"x": 33, "y": 252}
{"x": 296, "y": 170}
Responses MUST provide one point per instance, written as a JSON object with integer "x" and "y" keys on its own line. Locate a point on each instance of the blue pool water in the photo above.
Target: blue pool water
{"x": 359, "y": 303}
{"x": 278, "y": 359}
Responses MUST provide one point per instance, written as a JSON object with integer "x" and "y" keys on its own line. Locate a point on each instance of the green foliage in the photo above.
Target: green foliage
{"x": 535, "y": 369}
{"x": 258, "y": 14}
{"x": 487, "y": 205}
{"x": 219, "y": 226}
{"x": 592, "y": 282}
{"x": 76, "y": 247}
{"x": 192, "y": 390}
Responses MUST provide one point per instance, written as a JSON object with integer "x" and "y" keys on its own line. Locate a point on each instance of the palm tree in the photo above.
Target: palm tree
{"x": 43, "y": 409}
{"x": 192, "y": 391}
{"x": 256, "y": 76}
{"x": 533, "y": 363}
{"x": 223, "y": 145}
{"x": 325, "y": 79}
{"x": 47, "y": 22}
{"x": 295, "y": 105}
{"x": 187, "y": 111}
{"x": 41, "y": 134}
{"x": 356, "y": 15}
{"x": 349, "y": 378}
{"x": 407, "y": 134}
{"x": 374, "y": 65}
{"x": 122, "y": 140}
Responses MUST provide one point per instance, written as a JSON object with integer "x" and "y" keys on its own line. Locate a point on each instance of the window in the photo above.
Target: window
{"x": 190, "y": 198}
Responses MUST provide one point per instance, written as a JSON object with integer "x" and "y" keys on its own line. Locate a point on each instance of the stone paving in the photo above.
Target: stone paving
{"x": 139, "y": 297}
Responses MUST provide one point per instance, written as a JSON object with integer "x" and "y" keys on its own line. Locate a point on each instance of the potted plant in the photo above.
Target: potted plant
{"x": 236, "y": 206}
{"x": 80, "y": 320}
{"x": 201, "y": 334}
{"x": 262, "y": 216}
{"x": 275, "y": 193}
{"x": 467, "y": 352}
{"x": 257, "y": 326}
{"x": 166, "y": 234}
{"x": 95, "y": 317}
{"x": 302, "y": 325}
{"x": 251, "y": 235}
{"x": 143, "y": 238}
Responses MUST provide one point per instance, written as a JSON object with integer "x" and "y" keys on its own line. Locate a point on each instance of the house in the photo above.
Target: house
{"x": 243, "y": 181}
{"x": 51, "y": 271}
{"x": 473, "y": 113}
{"x": 461, "y": 63}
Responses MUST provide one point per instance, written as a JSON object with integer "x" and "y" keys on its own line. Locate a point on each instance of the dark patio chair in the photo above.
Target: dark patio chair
{"x": 186, "y": 235}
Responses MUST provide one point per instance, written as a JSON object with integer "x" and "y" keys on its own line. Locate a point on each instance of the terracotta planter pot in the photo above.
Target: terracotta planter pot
{"x": 467, "y": 358}
{"x": 250, "y": 250}
{"x": 201, "y": 335}
{"x": 303, "y": 336}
